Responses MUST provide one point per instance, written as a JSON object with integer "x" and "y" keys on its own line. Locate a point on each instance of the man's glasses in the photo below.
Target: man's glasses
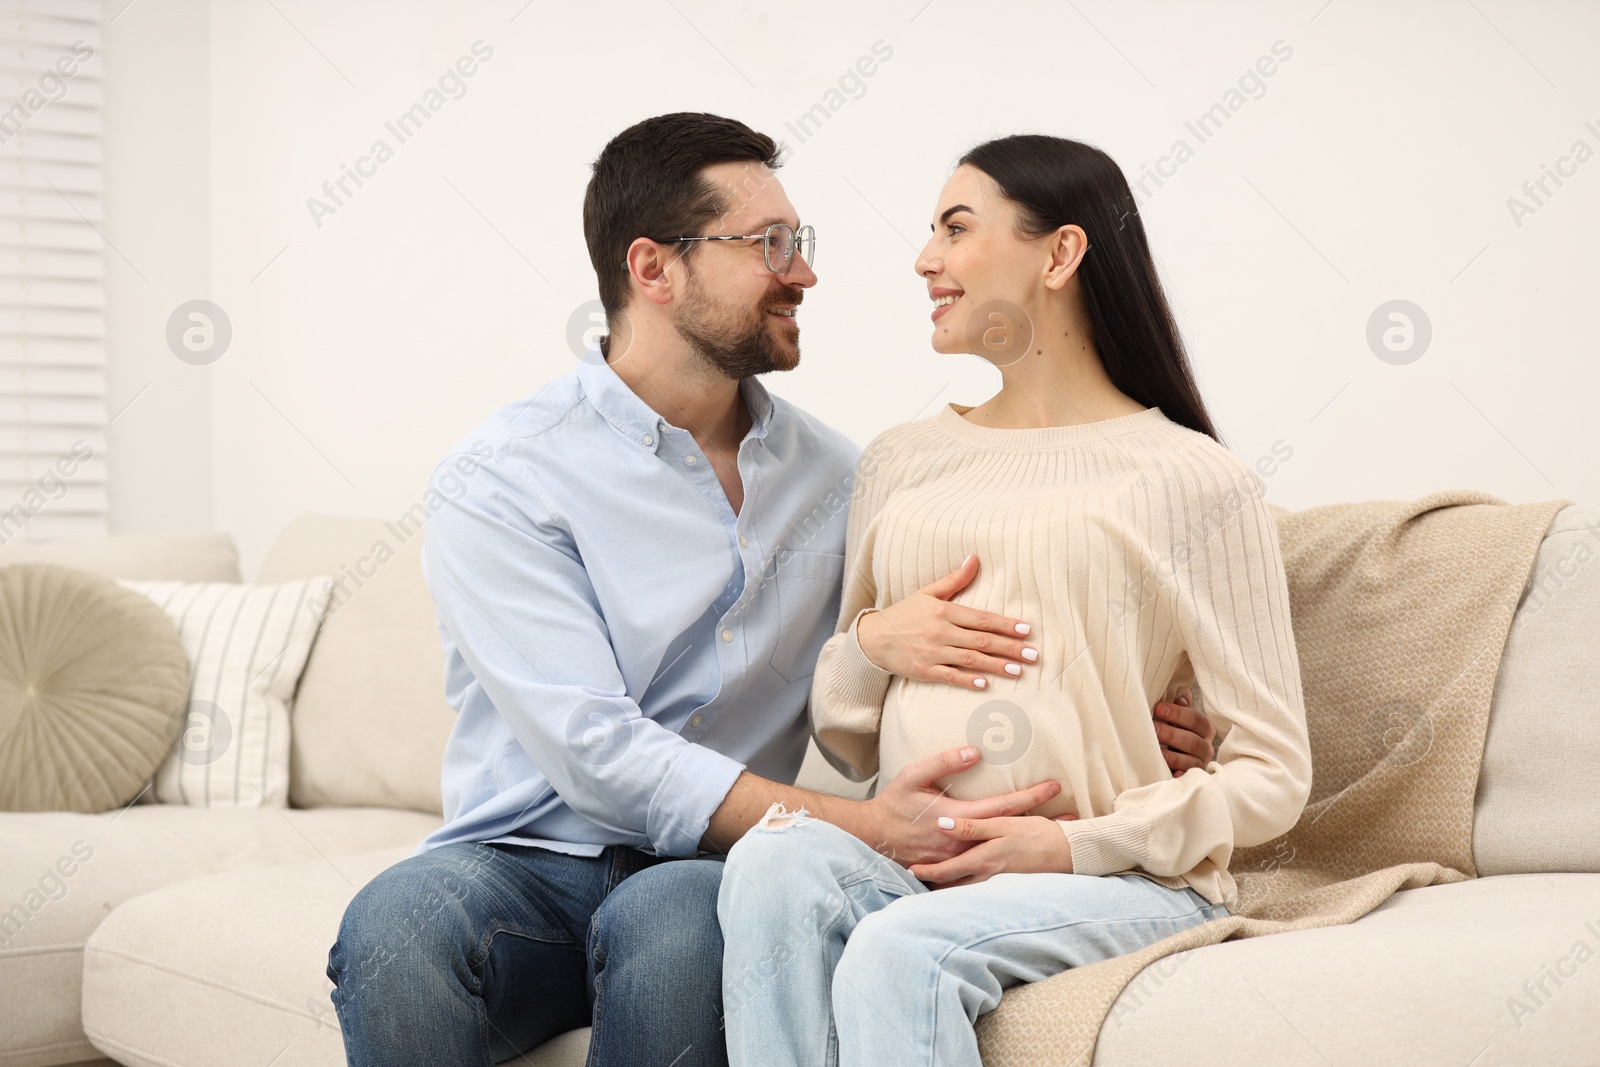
{"x": 778, "y": 244}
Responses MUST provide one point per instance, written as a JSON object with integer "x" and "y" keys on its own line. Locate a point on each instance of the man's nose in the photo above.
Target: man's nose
{"x": 799, "y": 273}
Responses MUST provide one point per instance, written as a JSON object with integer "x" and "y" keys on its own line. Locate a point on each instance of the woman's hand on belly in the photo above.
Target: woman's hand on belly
{"x": 1026, "y": 844}
{"x": 927, "y": 638}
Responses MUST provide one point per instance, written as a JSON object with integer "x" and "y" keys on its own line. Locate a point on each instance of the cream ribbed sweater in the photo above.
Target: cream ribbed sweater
{"x": 1144, "y": 556}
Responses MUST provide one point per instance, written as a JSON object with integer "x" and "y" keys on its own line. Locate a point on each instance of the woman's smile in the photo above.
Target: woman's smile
{"x": 942, "y": 299}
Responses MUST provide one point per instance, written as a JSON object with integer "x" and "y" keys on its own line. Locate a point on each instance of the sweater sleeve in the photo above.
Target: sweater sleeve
{"x": 1230, "y": 601}
{"x": 848, "y": 689}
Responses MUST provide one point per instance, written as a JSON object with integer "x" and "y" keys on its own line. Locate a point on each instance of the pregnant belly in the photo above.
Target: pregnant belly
{"x": 1022, "y": 737}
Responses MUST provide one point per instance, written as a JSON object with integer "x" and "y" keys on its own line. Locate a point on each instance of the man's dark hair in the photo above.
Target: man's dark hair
{"x": 647, "y": 183}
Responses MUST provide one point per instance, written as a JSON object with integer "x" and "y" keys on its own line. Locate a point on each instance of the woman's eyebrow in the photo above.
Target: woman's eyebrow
{"x": 944, "y": 218}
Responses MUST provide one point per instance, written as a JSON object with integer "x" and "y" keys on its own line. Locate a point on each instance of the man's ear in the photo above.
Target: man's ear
{"x": 648, "y": 265}
{"x": 1066, "y": 247}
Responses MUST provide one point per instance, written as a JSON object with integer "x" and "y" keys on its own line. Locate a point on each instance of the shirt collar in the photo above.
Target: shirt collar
{"x": 621, "y": 406}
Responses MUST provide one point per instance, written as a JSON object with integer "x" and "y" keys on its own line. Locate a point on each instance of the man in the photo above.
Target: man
{"x": 631, "y": 594}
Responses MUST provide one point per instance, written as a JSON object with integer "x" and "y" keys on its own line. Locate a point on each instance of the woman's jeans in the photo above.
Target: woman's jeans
{"x": 471, "y": 953}
{"x": 833, "y": 953}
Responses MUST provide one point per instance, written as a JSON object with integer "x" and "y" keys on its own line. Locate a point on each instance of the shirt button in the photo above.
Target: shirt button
{"x": 690, "y": 460}
{"x": 696, "y": 721}
{"x": 649, "y": 440}
{"x": 742, "y": 542}
{"x": 727, "y": 635}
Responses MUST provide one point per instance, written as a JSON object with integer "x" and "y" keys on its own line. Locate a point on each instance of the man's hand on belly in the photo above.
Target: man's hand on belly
{"x": 904, "y": 820}
{"x": 1185, "y": 734}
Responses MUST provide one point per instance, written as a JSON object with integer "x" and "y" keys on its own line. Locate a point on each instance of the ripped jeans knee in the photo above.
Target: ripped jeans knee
{"x": 778, "y": 817}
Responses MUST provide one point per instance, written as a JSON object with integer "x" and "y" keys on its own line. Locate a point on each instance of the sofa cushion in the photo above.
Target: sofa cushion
{"x": 247, "y": 645}
{"x": 90, "y": 675}
{"x": 118, "y": 855}
{"x": 231, "y": 970}
{"x": 1433, "y": 976}
{"x": 175, "y": 978}
{"x": 1534, "y": 812}
{"x": 370, "y": 721}
{"x": 190, "y": 557}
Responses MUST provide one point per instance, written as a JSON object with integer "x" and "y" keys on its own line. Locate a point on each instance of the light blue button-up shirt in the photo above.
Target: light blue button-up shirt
{"x": 618, "y": 643}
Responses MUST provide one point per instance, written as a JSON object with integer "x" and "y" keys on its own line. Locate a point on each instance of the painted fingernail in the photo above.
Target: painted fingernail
{"x": 946, "y": 823}
{"x": 1024, "y": 629}
{"x": 1030, "y": 654}
{"x": 1013, "y": 668}
{"x": 980, "y": 682}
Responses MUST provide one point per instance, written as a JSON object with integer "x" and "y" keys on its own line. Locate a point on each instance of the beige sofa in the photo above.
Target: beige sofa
{"x": 200, "y": 937}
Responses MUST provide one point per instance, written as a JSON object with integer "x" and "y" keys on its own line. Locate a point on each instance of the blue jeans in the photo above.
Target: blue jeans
{"x": 472, "y": 953}
{"x": 836, "y": 954}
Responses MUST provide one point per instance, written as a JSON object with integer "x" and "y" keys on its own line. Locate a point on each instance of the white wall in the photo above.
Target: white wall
{"x": 160, "y": 459}
{"x": 1376, "y": 164}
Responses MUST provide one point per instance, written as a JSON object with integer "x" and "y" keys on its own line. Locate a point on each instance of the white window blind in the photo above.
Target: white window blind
{"x": 52, "y": 272}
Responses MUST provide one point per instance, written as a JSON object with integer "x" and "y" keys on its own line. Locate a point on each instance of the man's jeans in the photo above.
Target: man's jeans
{"x": 838, "y": 955}
{"x": 471, "y": 953}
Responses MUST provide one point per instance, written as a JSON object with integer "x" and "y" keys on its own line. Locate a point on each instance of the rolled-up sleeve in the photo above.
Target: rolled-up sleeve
{"x": 511, "y": 589}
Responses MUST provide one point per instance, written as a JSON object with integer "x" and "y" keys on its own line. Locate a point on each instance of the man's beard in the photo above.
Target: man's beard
{"x": 728, "y": 339}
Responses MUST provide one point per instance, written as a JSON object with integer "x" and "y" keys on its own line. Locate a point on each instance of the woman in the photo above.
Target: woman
{"x": 1099, "y": 501}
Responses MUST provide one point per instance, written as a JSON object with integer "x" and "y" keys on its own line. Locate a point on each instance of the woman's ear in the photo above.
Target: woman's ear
{"x": 1066, "y": 246}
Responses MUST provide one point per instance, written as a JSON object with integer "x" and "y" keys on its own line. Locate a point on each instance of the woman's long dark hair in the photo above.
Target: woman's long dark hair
{"x": 1055, "y": 182}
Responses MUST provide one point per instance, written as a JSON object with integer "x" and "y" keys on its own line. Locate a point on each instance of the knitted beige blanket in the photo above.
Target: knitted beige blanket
{"x": 1401, "y": 611}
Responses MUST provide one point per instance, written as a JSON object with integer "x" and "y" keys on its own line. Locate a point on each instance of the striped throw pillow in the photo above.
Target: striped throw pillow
{"x": 247, "y": 645}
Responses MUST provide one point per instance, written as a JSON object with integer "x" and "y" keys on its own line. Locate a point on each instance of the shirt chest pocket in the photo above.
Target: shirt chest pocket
{"x": 807, "y": 587}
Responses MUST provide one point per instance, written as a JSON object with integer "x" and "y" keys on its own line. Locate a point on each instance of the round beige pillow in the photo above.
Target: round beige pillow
{"x": 93, "y": 678}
